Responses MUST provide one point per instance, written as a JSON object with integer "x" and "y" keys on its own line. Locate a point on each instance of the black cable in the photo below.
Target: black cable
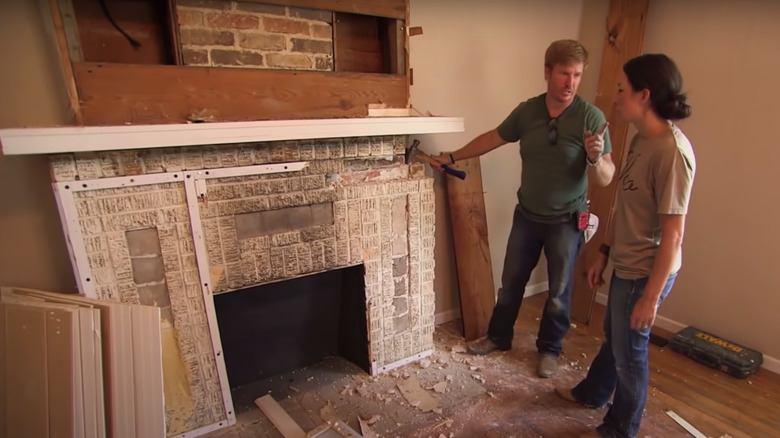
{"x": 133, "y": 41}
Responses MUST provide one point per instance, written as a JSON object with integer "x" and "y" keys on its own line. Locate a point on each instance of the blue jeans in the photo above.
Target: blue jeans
{"x": 621, "y": 365}
{"x": 561, "y": 241}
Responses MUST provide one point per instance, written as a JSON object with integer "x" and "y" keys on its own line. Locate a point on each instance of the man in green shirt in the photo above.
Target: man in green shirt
{"x": 563, "y": 144}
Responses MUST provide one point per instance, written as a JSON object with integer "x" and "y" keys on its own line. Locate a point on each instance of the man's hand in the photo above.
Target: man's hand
{"x": 594, "y": 144}
{"x": 442, "y": 158}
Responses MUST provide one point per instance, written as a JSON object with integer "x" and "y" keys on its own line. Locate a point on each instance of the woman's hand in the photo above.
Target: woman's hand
{"x": 643, "y": 315}
{"x": 596, "y": 271}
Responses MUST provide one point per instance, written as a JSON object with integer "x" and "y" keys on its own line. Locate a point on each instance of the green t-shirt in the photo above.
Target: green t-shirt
{"x": 554, "y": 179}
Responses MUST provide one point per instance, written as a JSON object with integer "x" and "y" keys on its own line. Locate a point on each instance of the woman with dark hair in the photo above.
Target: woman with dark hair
{"x": 644, "y": 244}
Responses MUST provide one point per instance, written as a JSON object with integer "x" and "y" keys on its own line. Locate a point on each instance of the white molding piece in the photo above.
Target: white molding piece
{"x": 770, "y": 363}
{"x": 55, "y": 140}
{"x": 376, "y": 370}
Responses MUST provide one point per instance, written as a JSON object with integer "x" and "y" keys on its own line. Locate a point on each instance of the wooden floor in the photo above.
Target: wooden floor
{"x": 715, "y": 403}
{"x": 499, "y": 395}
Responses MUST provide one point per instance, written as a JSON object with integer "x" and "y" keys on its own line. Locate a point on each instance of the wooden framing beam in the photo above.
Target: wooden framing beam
{"x": 622, "y": 41}
{"x": 378, "y": 8}
{"x": 58, "y": 30}
{"x": 117, "y": 94}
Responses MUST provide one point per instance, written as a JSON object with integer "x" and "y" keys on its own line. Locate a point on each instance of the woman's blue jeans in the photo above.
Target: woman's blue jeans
{"x": 621, "y": 365}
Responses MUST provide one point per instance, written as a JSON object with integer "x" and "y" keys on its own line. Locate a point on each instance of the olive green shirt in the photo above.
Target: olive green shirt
{"x": 554, "y": 179}
{"x": 656, "y": 179}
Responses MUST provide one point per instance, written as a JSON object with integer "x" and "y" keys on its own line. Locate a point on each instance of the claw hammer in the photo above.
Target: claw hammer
{"x": 414, "y": 152}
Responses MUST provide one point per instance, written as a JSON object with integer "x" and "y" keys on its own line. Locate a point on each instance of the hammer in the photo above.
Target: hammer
{"x": 413, "y": 151}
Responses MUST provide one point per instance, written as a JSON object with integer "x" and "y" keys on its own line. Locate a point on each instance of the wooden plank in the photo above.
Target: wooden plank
{"x": 3, "y": 376}
{"x": 472, "y": 253}
{"x": 144, "y": 21}
{"x": 396, "y": 47}
{"x": 146, "y": 94}
{"x": 622, "y": 41}
{"x": 27, "y": 396}
{"x": 63, "y": 368}
{"x": 357, "y": 44}
{"x": 55, "y": 25}
{"x": 91, "y": 372}
{"x": 378, "y": 8}
{"x": 148, "y": 372}
{"x": 279, "y": 417}
{"x": 172, "y": 17}
{"x": 117, "y": 354}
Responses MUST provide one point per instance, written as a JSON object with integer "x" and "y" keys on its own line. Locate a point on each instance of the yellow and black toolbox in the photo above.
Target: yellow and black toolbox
{"x": 716, "y": 352}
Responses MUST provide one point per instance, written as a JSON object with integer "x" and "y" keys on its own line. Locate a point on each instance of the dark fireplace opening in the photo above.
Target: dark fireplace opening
{"x": 278, "y": 327}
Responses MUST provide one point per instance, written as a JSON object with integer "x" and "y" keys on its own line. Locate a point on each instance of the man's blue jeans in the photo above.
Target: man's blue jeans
{"x": 621, "y": 365}
{"x": 561, "y": 242}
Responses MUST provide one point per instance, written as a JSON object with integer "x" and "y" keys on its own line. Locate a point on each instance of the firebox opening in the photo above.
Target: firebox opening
{"x": 273, "y": 328}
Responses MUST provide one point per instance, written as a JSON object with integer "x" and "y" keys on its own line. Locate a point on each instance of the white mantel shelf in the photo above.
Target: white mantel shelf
{"x": 56, "y": 140}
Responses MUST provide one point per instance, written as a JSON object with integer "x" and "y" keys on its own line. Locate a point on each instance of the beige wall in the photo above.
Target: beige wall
{"x": 479, "y": 62}
{"x": 729, "y": 54}
{"x": 32, "y": 247}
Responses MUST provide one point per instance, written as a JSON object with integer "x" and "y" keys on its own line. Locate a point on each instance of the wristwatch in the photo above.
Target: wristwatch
{"x": 593, "y": 163}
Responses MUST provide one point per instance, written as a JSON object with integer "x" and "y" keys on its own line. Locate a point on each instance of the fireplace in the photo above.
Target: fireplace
{"x": 278, "y": 327}
{"x": 161, "y": 215}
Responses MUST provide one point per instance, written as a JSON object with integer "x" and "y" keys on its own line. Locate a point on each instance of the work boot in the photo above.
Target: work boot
{"x": 565, "y": 393}
{"x": 482, "y": 346}
{"x": 547, "y": 365}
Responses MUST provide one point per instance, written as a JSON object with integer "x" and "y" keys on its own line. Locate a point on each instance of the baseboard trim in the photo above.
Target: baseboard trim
{"x": 770, "y": 363}
{"x": 453, "y": 314}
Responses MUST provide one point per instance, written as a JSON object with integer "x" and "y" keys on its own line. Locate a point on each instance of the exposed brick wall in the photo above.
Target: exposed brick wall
{"x": 255, "y": 35}
{"x": 356, "y": 202}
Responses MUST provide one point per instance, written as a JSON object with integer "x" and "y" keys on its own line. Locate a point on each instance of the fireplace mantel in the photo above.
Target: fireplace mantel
{"x": 55, "y": 140}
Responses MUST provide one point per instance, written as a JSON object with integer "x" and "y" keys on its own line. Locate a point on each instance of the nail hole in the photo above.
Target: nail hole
{"x": 175, "y": 175}
{"x": 84, "y": 185}
{"x": 88, "y": 279}
{"x": 207, "y": 172}
{"x": 188, "y": 176}
{"x": 67, "y": 187}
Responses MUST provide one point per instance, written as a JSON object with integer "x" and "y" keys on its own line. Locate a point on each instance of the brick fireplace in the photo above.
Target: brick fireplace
{"x": 171, "y": 227}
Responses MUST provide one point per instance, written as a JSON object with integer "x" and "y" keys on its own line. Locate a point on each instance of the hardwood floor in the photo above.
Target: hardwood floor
{"x": 499, "y": 395}
{"x": 714, "y": 402}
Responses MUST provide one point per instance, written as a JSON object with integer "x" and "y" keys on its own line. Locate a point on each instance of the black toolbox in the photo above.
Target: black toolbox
{"x": 716, "y": 352}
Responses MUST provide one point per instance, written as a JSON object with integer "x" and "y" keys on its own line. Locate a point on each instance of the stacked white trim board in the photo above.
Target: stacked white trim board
{"x": 79, "y": 367}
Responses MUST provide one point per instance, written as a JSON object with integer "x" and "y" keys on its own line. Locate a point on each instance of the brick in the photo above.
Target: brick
{"x": 195, "y": 57}
{"x": 189, "y": 18}
{"x": 262, "y": 41}
{"x": 285, "y": 26}
{"x": 63, "y": 167}
{"x": 237, "y": 58}
{"x": 321, "y": 31}
{"x": 207, "y": 4}
{"x": 312, "y": 46}
{"x": 323, "y": 63}
{"x": 276, "y": 151}
{"x": 285, "y": 60}
{"x": 312, "y": 14}
{"x": 232, "y": 21}
{"x": 206, "y": 37}
{"x": 259, "y": 8}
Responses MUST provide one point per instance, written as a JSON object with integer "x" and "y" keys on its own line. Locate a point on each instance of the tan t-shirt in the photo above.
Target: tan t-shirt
{"x": 656, "y": 179}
